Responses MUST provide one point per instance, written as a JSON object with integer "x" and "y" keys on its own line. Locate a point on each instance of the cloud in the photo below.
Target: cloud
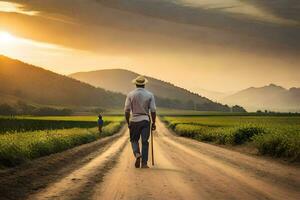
{"x": 10, "y": 7}
{"x": 249, "y": 8}
{"x": 288, "y": 9}
{"x": 167, "y": 35}
{"x": 129, "y": 23}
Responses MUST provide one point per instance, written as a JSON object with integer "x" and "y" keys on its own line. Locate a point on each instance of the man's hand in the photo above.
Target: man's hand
{"x": 153, "y": 128}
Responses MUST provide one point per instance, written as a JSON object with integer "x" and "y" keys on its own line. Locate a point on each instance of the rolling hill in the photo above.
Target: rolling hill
{"x": 271, "y": 97}
{"x": 213, "y": 95}
{"x": 167, "y": 95}
{"x": 21, "y": 81}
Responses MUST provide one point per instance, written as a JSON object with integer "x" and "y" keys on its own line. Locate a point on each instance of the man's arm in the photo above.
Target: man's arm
{"x": 153, "y": 117}
{"x": 127, "y": 110}
{"x": 153, "y": 112}
{"x": 127, "y": 116}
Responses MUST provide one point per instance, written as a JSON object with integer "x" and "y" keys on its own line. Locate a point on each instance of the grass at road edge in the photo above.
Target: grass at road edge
{"x": 16, "y": 148}
{"x": 274, "y": 136}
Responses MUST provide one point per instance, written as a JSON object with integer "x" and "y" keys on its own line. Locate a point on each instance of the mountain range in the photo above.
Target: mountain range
{"x": 23, "y": 82}
{"x": 271, "y": 97}
{"x": 20, "y": 81}
{"x": 213, "y": 95}
{"x": 167, "y": 94}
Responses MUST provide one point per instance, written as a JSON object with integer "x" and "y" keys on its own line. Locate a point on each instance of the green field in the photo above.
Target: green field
{"x": 27, "y": 138}
{"x": 23, "y": 124}
{"x": 77, "y": 118}
{"x": 278, "y": 136}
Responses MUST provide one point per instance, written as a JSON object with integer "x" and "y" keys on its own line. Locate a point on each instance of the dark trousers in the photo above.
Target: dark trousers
{"x": 137, "y": 130}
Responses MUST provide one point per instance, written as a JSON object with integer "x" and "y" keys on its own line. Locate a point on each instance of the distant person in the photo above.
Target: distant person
{"x": 100, "y": 123}
{"x": 139, "y": 103}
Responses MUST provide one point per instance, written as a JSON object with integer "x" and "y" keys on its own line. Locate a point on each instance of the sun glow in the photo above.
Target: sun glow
{"x": 48, "y": 54}
{"x": 6, "y": 37}
{"x": 18, "y": 47}
{"x": 15, "y": 8}
{"x": 9, "y": 41}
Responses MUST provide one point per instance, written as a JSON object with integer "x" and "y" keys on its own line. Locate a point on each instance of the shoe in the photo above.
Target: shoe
{"x": 138, "y": 161}
{"x": 145, "y": 166}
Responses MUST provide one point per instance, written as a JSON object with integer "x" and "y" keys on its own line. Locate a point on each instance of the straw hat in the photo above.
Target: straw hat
{"x": 140, "y": 80}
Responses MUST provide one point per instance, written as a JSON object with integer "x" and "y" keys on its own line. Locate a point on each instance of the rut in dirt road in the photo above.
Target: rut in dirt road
{"x": 185, "y": 169}
{"x": 74, "y": 184}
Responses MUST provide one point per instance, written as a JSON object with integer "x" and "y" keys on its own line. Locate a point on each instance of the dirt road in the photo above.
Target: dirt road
{"x": 185, "y": 169}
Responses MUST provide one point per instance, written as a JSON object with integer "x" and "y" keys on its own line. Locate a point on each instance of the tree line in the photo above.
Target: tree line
{"x": 22, "y": 108}
{"x": 191, "y": 105}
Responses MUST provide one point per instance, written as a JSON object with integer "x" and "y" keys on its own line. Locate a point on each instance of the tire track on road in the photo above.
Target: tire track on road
{"x": 69, "y": 186}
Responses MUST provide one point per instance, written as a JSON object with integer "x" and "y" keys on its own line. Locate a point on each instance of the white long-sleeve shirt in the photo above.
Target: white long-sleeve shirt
{"x": 139, "y": 102}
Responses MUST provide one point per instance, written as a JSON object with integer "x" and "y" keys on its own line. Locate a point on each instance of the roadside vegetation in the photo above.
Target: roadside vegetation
{"x": 23, "y": 124}
{"x": 48, "y": 136}
{"x": 274, "y": 136}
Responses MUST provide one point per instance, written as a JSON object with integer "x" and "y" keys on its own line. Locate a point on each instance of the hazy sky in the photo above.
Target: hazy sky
{"x": 222, "y": 45}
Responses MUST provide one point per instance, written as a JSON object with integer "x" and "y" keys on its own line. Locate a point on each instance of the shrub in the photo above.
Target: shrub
{"x": 112, "y": 128}
{"x": 223, "y": 135}
{"x": 207, "y": 135}
{"x": 172, "y": 125}
{"x": 238, "y": 109}
{"x": 244, "y": 134}
{"x": 187, "y": 130}
{"x": 279, "y": 144}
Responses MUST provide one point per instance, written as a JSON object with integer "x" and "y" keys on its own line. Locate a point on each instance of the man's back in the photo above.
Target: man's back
{"x": 138, "y": 105}
{"x": 139, "y": 102}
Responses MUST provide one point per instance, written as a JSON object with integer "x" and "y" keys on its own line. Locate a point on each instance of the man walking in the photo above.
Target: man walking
{"x": 138, "y": 106}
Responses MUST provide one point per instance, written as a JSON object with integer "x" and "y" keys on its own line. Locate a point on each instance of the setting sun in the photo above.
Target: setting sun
{"x": 6, "y": 37}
